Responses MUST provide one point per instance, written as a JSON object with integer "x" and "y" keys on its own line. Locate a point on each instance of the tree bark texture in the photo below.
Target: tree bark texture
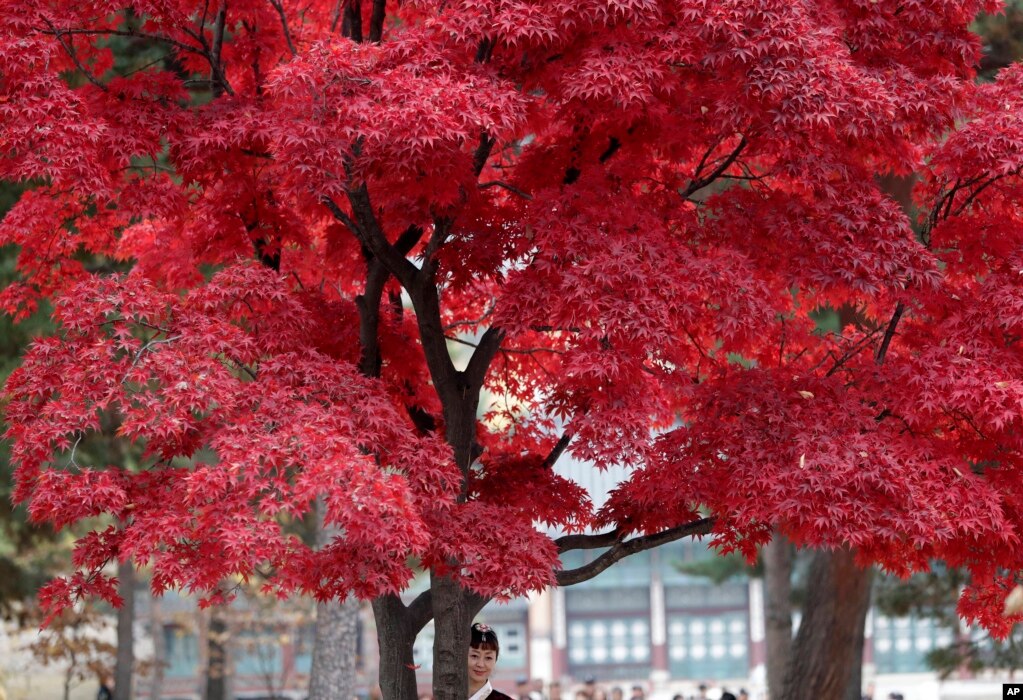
{"x": 451, "y": 618}
{"x": 395, "y": 637}
{"x": 159, "y": 647}
{"x": 335, "y": 640}
{"x": 332, "y": 676}
{"x": 828, "y": 649}
{"x": 124, "y": 662}
{"x": 778, "y": 555}
{"x": 215, "y": 685}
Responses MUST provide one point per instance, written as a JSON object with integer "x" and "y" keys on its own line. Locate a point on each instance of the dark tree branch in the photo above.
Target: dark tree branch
{"x": 489, "y": 344}
{"x": 852, "y": 352}
{"x": 408, "y": 239}
{"x": 621, "y": 548}
{"x": 343, "y": 217}
{"x": 698, "y": 183}
{"x": 559, "y": 449}
{"x": 269, "y": 258}
{"x": 369, "y": 302}
{"x": 441, "y": 231}
{"x": 74, "y": 56}
{"x": 504, "y": 185}
{"x": 612, "y": 148}
{"x": 889, "y": 333}
{"x": 420, "y": 611}
{"x": 129, "y": 33}
{"x": 484, "y": 50}
{"x": 976, "y": 193}
{"x": 482, "y": 152}
{"x": 567, "y": 543}
{"x": 366, "y": 228}
{"x": 706, "y": 156}
{"x": 214, "y": 54}
{"x": 279, "y": 6}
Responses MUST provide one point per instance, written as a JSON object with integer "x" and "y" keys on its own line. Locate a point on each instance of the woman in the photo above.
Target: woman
{"x": 483, "y": 651}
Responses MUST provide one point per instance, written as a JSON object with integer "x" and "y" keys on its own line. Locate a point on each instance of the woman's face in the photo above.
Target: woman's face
{"x": 481, "y": 664}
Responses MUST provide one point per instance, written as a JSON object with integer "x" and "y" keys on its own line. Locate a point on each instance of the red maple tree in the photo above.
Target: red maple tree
{"x": 634, "y": 212}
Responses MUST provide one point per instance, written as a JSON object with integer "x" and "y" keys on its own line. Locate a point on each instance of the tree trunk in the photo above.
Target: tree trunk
{"x": 396, "y": 638}
{"x": 451, "y": 619}
{"x": 125, "y": 662}
{"x": 827, "y": 654}
{"x": 332, "y": 676}
{"x": 778, "y": 556}
{"x": 159, "y": 648}
{"x": 215, "y": 685}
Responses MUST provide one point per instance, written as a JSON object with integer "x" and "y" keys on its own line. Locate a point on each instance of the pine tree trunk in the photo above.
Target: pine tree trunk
{"x": 125, "y": 661}
{"x": 332, "y": 676}
{"x": 159, "y": 648}
{"x": 778, "y": 556}
{"x": 827, "y": 654}
{"x": 395, "y": 639}
{"x": 452, "y": 616}
{"x": 215, "y": 685}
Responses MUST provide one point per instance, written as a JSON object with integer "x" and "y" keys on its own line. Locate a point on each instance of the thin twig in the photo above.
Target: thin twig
{"x": 475, "y": 321}
{"x": 120, "y": 32}
{"x": 145, "y": 348}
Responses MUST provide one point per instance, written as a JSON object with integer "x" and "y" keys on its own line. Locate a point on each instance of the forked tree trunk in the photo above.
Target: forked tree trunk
{"x": 395, "y": 638}
{"x": 778, "y": 555}
{"x": 827, "y": 653}
{"x": 124, "y": 662}
{"x": 332, "y": 676}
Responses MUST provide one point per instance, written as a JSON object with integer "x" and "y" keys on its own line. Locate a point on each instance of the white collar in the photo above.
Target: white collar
{"x": 483, "y": 692}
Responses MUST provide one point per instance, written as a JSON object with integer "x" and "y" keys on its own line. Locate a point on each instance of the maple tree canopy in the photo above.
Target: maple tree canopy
{"x": 396, "y": 258}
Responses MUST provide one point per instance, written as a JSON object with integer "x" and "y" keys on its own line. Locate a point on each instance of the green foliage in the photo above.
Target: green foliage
{"x": 933, "y": 594}
{"x": 721, "y": 568}
{"x": 1003, "y": 38}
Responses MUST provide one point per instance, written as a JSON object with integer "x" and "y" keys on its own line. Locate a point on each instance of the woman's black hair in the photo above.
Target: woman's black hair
{"x": 484, "y": 637}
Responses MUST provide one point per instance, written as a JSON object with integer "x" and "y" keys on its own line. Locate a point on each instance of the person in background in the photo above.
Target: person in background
{"x": 526, "y": 689}
{"x": 637, "y": 693}
{"x": 725, "y": 695}
{"x": 554, "y": 690}
{"x": 743, "y": 695}
{"x": 105, "y": 691}
{"x": 483, "y": 652}
{"x": 617, "y": 693}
